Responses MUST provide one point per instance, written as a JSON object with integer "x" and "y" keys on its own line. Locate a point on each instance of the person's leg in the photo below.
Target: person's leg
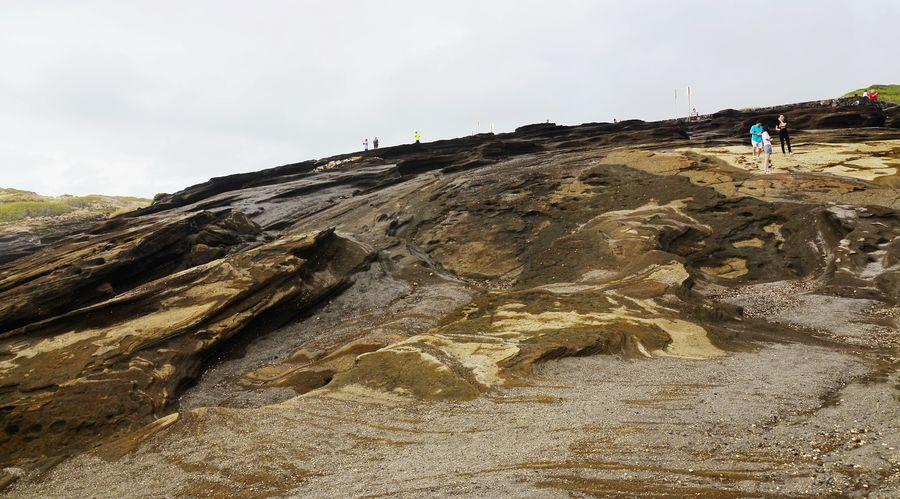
{"x": 787, "y": 137}
{"x": 781, "y": 136}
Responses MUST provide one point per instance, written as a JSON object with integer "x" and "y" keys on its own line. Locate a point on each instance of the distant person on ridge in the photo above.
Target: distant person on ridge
{"x": 865, "y": 97}
{"x": 366, "y": 144}
{"x": 873, "y": 96}
{"x": 375, "y": 143}
{"x": 767, "y": 148}
{"x": 756, "y": 138}
{"x": 783, "y": 134}
{"x": 417, "y": 137}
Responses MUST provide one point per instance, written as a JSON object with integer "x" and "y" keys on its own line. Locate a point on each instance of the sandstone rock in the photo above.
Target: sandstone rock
{"x": 107, "y": 367}
{"x": 489, "y": 255}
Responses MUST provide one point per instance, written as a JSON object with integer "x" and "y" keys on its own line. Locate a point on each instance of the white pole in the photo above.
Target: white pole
{"x": 676, "y": 103}
{"x": 689, "y": 92}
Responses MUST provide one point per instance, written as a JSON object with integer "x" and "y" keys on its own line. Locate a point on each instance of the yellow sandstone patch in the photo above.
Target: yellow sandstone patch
{"x": 689, "y": 341}
{"x": 749, "y": 243}
{"x": 731, "y": 268}
{"x": 865, "y": 161}
{"x": 658, "y": 163}
{"x": 775, "y": 229}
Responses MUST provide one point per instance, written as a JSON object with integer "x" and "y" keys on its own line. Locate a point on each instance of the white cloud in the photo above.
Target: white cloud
{"x": 142, "y": 97}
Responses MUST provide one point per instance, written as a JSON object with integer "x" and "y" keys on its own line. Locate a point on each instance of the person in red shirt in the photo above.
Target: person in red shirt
{"x": 873, "y": 96}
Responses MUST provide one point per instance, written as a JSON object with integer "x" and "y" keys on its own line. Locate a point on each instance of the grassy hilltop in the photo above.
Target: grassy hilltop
{"x": 17, "y": 205}
{"x": 886, "y": 93}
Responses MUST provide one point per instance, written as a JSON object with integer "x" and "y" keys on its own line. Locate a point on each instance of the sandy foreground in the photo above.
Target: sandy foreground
{"x": 786, "y": 419}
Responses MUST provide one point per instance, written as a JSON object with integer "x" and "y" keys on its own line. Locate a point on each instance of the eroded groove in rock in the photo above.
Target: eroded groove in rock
{"x": 83, "y": 270}
{"x": 63, "y": 386}
{"x": 622, "y": 298}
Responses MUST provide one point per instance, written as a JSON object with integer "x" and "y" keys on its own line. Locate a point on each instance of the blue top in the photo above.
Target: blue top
{"x": 756, "y": 133}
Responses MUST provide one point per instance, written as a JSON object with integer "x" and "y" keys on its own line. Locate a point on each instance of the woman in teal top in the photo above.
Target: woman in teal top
{"x": 756, "y": 138}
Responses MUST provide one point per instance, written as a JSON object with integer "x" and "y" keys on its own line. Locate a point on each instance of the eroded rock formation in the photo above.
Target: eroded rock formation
{"x": 446, "y": 271}
{"x": 109, "y": 365}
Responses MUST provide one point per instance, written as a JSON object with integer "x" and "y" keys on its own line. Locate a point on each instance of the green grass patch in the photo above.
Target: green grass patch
{"x": 886, "y": 93}
{"x": 16, "y": 205}
{"x": 17, "y": 210}
{"x": 13, "y": 195}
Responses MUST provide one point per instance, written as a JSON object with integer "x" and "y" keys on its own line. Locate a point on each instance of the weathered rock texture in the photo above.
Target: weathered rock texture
{"x": 109, "y": 365}
{"x": 450, "y": 272}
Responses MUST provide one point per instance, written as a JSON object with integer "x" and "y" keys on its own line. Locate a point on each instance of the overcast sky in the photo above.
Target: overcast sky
{"x": 139, "y": 97}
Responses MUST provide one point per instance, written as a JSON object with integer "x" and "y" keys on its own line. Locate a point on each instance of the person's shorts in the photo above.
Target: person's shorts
{"x": 768, "y": 148}
{"x": 756, "y": 144}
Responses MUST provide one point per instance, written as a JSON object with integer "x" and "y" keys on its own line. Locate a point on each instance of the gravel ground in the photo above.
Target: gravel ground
{"x": 851, "y": 321}
{"x": 786, "y": 419}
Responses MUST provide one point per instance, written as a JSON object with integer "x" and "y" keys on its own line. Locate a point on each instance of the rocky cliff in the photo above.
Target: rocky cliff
{"x": 541, "y": 308}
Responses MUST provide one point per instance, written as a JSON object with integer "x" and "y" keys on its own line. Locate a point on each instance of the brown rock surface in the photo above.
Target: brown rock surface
{"x": 106, "y": 367}
{"x": 713, "y": 312}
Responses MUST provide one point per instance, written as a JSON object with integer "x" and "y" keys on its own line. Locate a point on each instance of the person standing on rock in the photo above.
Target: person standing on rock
{"x": 767, "y": 150}
{"x": 873, "y": 96}
{"x": 375, "y": 143}
{"x": 366, "y": 144}
{"x": 756, "y": 138}
{"x": 417, "y": 137}
{"x": 783, "y": 134}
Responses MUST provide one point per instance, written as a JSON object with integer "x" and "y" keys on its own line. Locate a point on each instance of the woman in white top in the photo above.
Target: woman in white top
{"x": 767, "y": 150}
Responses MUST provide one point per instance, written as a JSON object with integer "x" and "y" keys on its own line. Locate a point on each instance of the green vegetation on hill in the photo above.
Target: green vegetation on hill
{"x": 16, "y": 205}
{"x": 886, "y": 93}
